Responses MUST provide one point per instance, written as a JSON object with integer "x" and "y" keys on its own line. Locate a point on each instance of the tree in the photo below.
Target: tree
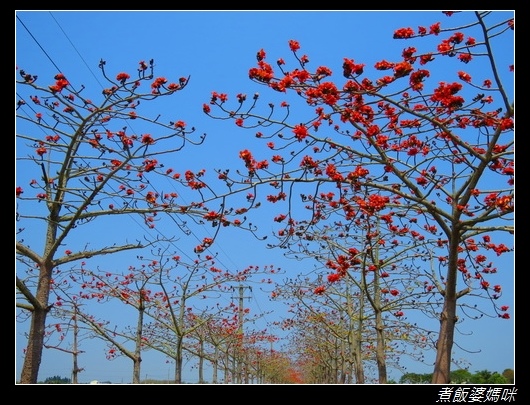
{"x": 366, "y": 336}
{"x": 509, "y": 375}
{"x": 88, "y": 161}
{"x": 132, "y": 290}
{"x": 414, "y": 378}
{"x": 219, "y": 332}
{"x": 460, "y": 376}
{"x": 375, "y": 281}
{"x": 181, "y": 302}
{"x": 68, "y": 314}
{"x": 57, "y": 380}
{"x": 487, "y": 377}
{"x": 436, "y": 146}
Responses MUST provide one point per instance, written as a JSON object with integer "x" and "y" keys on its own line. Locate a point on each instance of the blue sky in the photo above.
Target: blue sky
{"x": 217, "y": 48}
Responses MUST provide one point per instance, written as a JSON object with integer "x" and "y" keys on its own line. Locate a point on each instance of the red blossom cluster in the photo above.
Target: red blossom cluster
{"x": 60, "y": 83}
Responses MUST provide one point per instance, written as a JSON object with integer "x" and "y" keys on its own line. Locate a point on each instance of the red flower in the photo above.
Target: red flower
{"x": 465, "y": 57}
{"x": 280, "y": 218}
{"x": 300, "y": 132}
{"x": 320, "y": 290}
{"x": 435, "y": 29}
{"x": 402, "y": 69}
{"x": 212, "y": 216}
{"x": 157, "y": 83}
{"x": 122, "y": 77}
{"x": 464, "y": 76}
{"x": 294, "y": 45}
{"x": 147, "y": 139}
{"x": 260, "y": 55}
{"x": 403, "y": 33}
{"x": 41, "y": 150}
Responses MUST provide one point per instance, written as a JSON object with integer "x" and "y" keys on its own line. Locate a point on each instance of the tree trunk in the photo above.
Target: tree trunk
{"x": 448, "y": 318}
{"x": 33, "y": 357}
{"x": 179, "y": 361}
{"x": 380, "y": 349}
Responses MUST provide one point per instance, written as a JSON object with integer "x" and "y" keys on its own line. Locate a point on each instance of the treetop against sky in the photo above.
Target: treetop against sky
{"x": 318, "y": 136}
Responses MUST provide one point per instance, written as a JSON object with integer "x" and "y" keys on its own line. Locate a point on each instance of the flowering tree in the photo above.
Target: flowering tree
{"x": 131, "y": 289}
{"x": 186, "y": 297}
{"x": 65, "y": 323}
{"x": 432, "y": 139}
{"x": 358, "y": 327}
{"x": 219, "y": 333}
{"x": 89, "y": 161}
{"x": 373, "y": 281}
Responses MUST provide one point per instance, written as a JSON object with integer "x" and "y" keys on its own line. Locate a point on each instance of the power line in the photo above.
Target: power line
{"x": 179, "y": 225}
{"x": 95, "y": 77}
{"x": 38, "y": 44}
{"x": 75, "y": 49}
{"x": 156, "y": 230}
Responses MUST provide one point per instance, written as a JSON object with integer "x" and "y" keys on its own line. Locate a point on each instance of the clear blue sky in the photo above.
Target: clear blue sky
{"x": 217, "y": 48}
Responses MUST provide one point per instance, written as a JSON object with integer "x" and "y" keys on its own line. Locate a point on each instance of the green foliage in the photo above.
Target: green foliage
{"x": 509, "y": 375}
{"x": 487, "y": 377}
{"x": 497, "y": 378}
{"x": 57, "y": 380}
{"x": 151, "y": 381}
{"x": 462, "y": 376}
{"x": 413, "y": 378}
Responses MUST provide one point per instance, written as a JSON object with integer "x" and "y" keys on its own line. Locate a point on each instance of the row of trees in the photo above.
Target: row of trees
{"x": 457, "y": 377}
{"x": 397, "y": 187}
{"x": 172, "y": 303}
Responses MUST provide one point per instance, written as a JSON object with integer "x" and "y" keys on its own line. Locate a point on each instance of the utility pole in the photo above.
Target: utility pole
{"x": 238, "y": 353}
{"x": 75, "y": 352}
